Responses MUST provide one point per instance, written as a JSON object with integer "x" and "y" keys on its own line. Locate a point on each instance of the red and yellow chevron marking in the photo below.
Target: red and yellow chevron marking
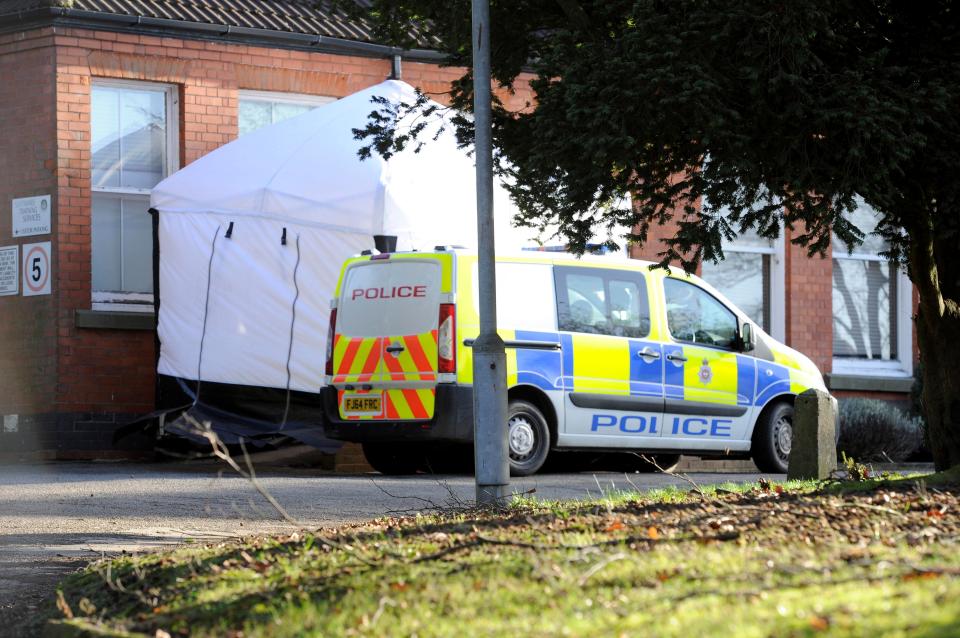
{"x": 356, "y": 359}
{"x": 417, "y": 362}
{"x": 365, "y": 359}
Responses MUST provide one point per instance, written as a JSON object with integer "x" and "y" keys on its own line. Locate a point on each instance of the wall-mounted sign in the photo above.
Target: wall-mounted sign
{"x": 31, "y": 216}
{"x": 9, "y": 270}
{"x": 36, "y": 269}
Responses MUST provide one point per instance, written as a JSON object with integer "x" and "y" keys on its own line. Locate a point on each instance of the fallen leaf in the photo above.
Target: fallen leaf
{"x": 921, "y": 574}
{"x": 614, "y": 526}
{"x": 819, "y": 623}
{"x": 63, "y": 606}
{"x": 778, "y": 489}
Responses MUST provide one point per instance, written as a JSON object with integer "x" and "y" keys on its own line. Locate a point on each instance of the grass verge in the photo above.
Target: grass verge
{"x": 765, "y": 560}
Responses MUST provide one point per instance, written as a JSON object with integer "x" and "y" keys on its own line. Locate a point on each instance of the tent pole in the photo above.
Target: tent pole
{"x": 489, "y": 358}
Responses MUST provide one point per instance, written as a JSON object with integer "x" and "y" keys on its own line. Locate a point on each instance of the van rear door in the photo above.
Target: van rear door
{"x": 385, "y": 344}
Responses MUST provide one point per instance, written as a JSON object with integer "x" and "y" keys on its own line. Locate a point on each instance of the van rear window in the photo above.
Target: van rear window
{"x": 387, "y": 298}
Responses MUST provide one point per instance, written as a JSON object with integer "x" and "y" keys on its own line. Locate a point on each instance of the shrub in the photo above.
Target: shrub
{"x": 874, "y": 430}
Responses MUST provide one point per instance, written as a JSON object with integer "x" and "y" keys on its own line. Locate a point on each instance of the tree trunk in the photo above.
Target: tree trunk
{"x": 939, "y": 342}
{"x": 938, "y": 336}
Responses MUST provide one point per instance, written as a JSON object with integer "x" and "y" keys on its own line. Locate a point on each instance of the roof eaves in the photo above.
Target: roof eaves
{"x": 123, "y": 22}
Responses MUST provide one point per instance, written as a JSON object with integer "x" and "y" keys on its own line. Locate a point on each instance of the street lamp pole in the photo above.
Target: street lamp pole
{"x": 489, "y": 358}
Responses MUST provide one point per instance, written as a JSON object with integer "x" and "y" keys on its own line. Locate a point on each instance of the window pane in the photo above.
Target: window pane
{"x": 586, "y": 305}
{"x": 745, "y": 279}
{"x": 143, "y": 138}
{"x": 257, "y": 113}
{"x": 105, "y": 136}
{"x": 129, "y": 137}
{"x": 629, "y": 311}
{"x": 749, "y": 238}
{"x": 284, "y": 110}
{"x": 609, "y": 302}
{"x": 105, "y": 237}
{"x": 122, "y": 239}
{"x": 695, "y": 316}
{"x": 137, "y": 246}
{"x": 254, "y": 114}
{"x": 864, "y": 309}
{"x": 865, "y": 219}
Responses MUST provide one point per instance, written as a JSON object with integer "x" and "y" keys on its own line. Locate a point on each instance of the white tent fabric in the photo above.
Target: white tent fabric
{"x": 232, "y": 299}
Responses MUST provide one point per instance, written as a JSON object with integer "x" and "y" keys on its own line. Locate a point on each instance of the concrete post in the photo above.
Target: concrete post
{"x": 489, "y": 358}
{"x": 813, "y": 449}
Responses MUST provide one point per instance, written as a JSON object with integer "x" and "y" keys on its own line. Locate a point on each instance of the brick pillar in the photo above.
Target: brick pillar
{"x": 809, "y": 303}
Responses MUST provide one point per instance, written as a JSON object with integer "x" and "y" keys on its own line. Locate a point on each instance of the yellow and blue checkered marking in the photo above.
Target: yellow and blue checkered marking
{"x": 756, "y": 381}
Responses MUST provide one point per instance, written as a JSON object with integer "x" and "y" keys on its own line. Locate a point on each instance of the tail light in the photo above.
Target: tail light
{"x": 447, "y": 339}
{"x": 330, "y": 334}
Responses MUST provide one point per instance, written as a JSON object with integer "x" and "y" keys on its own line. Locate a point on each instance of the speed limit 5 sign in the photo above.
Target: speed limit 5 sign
{"x": 36, "y": 269}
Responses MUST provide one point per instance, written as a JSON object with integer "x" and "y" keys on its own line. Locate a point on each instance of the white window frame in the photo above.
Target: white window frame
{"x": 137, "y": 301}
{"x": 273, "y": 97}
{"x": 902, "y": 366}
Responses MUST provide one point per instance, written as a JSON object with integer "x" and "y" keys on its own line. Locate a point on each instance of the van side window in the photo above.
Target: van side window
{"x": 694, "y": 316}
{"x": 600, "y": 301}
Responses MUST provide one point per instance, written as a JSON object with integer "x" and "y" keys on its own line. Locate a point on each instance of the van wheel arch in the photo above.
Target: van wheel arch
{"x": 541, "y": 401}
{"x": 763, "y": 446}
{"x": 769, "y": 405}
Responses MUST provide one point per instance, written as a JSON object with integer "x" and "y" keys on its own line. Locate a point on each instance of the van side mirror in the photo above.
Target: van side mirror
{"x": 746, "y": 337}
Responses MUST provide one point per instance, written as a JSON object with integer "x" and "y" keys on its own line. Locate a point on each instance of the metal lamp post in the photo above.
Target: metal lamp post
{"x": 489, "y": 358}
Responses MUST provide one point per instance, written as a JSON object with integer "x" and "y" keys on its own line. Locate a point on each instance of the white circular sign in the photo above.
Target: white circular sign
{"x": 36, "y": 269}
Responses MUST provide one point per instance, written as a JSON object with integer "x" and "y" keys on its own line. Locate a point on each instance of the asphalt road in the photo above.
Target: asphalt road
{"x": 56, "y": 517}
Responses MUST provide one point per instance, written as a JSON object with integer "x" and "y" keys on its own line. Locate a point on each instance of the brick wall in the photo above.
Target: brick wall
{"x": 657, "y": 237}
{"x": 27, "y": 167}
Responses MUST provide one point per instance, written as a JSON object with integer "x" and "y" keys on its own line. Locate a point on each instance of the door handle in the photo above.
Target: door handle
{"x": 647, "y": 353}
{"x": 395, "y": 347}
{"x": 676, "y": 356}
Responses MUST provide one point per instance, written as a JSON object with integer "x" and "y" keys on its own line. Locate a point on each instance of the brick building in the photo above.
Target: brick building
{"x": 100, "y": 100}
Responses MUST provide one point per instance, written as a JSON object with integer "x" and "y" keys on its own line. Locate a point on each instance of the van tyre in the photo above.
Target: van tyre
{"x": 393, "y": 459}
{"x": 772, "y": 439}
{"x": 528, "y": 437}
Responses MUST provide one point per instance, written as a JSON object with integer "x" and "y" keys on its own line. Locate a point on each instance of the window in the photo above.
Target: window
{"x": 597, "y": 301}
{"x": 262, "y": 108}
{"x": 694, "y": 316}
{"x": 751, "y": 275}
{"x": 871, "y": 305}
{"x": 133, "y": 142}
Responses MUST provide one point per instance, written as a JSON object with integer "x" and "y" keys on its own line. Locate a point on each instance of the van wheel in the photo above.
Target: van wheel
{"x": 394, "y": 459}
{"x": 771, "y": 439}
{"x": 528, "y": 437}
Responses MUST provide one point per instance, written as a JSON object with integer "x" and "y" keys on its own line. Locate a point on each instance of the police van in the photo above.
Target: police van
{"x": 603, "y": 355}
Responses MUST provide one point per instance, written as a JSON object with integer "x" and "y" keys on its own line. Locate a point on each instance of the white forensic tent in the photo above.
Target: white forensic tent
{"x": 232, "y": 293}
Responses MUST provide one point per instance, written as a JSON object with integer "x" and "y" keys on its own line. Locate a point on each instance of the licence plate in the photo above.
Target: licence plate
{"x": 362, "y": 404}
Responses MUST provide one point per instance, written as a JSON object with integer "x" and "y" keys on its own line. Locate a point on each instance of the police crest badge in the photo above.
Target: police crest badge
{"x": 706, "y": 374}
